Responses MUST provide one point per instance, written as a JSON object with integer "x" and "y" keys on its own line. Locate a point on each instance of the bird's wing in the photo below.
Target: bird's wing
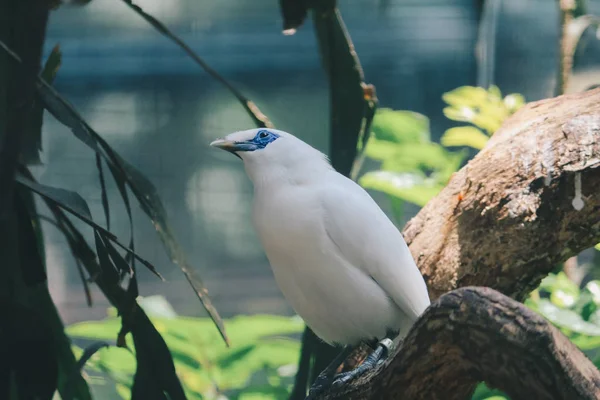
{"x": 368, "y": 240}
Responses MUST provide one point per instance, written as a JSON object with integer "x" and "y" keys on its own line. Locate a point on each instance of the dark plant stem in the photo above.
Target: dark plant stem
{"x": 565, "y": 61}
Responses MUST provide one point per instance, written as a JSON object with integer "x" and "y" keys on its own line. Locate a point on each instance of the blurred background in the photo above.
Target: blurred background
{"x": 447, "y": 74}
{"x": 160, "y": 111}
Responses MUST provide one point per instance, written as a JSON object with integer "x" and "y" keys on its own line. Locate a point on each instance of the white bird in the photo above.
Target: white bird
{"x": 337, "y": 258}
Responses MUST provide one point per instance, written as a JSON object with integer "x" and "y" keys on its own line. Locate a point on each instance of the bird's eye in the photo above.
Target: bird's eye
{"x": 263, "y": 134}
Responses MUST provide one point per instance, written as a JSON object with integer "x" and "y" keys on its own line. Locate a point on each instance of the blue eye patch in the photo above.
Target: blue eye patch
{"x": 263, "y": 138}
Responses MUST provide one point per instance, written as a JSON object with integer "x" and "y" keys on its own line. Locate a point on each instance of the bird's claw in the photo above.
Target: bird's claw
{"x": 319, "y": 386}
{"x": 337, "y": 382}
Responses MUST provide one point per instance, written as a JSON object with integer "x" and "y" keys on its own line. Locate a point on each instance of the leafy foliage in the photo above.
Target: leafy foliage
{"x": 575, "y": 311}
{"x": 259, "y": 365}
{"x": 412, "y": 168}
{"x": 484, "y": 109}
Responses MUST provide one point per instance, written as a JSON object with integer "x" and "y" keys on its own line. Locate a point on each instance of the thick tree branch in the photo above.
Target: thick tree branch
{"x": 524, "y": 204}
{"x": 473, "y": 334}
{"x": 514, "y": 211}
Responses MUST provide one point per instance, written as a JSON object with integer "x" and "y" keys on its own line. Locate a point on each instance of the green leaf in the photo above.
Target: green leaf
{"x": 35, "y": 293}
{"x": 104, "y": 194}
{"x": 453, "y": 162}
{"x": 483, "y": 392}
{"x": 262, "y": 345}
{"x": 157, "y": 306}
{"x": 464, "y": 136}
{"x": 567, "y": 319}
{"x": 397, "y": 207}
{"x": 140, "y": 186}
{"x": 514, "y": 101}
{"x": 466, "y": 96}
{"x": 415, "y": 157}
{"x": 69, "y": 200}
{"x": 155, "y": 371}
{"x": 381, "y": 150}
{"x": 400, "y": 126}
{"x": 406, "y": 186}
{"x": 559, "y": 282}
{"x": 494, "y": 93}
{"x": 593, "y": 287}
{"x": 486, "y": 109}
{"x": 585, "y": 342}
{"x": 76, "y": 205}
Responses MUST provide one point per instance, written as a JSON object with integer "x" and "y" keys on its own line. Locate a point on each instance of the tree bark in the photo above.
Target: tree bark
{"x": 477, "y": 333}
{"x": 527, "y": 202}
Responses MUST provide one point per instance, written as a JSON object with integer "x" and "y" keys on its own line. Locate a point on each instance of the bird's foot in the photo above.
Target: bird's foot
{"x": 321, "y": 384}
{"x": 337, "y": 382}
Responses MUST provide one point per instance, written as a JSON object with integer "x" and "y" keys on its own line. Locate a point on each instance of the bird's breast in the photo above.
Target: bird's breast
{"x": 337, "y": 300}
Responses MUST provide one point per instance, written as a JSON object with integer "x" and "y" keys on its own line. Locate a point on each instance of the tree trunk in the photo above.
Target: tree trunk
{"x": 527, "y": 202}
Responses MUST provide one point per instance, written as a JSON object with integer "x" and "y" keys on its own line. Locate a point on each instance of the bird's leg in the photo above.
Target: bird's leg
{"x": 379, "y": 355}
{"x": 326, "y": 377}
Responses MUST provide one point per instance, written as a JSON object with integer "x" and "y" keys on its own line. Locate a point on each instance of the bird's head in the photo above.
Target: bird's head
{"x": 267, "y": 153}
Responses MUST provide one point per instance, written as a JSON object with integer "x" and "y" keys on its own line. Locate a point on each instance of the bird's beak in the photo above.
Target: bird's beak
{"x": 223, "y": 144}
{"x": 233, "y": 147}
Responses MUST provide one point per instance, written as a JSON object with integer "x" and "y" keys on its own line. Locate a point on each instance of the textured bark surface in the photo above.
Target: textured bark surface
{"x": 479, "y": 333}
{"x": 514, "y": 211}
{"x": 528, "y": 201}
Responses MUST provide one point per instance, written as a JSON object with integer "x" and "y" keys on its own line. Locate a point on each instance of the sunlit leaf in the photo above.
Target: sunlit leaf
{"x": 594, "y": 288}
{"x": 483, "y": 392}
{"x": 453, "y": 163}
{"x": 489, "y": 119}
{"x": 585, "y": 342}
{"x": 157, "y": 306}
{"x": 494, "y": 93}
{"x": 466, "y": 97}
{"x": 567, "y": 319}
{"x": 486, "y": 109}
{"x": 560, "y": 281}
{"x": 563, "y": 299}
{"x": 514, "y": 101}
{"x": 415, "y": 157}
{"x": 263, "y": 344}
{"x": 406, "y": 186}
{"x": 381, "y": 150}
{"x": 400, "y": 126}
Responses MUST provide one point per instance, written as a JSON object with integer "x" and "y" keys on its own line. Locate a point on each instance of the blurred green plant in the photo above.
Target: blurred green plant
{"x": 485, "y": 110}
{"x": 260, "y": 365}
{"x": 414, "y": 169}
{"x": 575, "y": 311}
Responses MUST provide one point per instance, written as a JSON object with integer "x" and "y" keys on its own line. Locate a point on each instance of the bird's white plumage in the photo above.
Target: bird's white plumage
{"x": 337, "y": 258}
